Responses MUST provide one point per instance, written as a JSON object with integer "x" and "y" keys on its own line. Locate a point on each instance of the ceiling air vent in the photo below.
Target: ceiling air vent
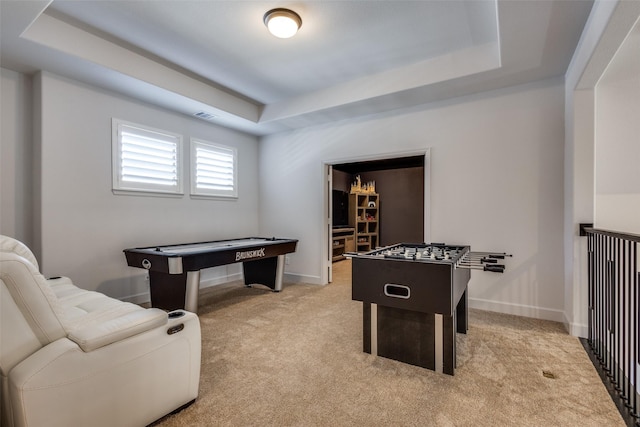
{"x": 204, "y": 115}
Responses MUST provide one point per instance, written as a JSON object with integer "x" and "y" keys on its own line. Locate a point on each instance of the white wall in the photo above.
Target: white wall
{"x": 496, "y": 184}
{"x": 605, "y": 31}
{"x": 85, "y": 226}
{"x": 617, "y": 151}
{"x": 16, "y": 151}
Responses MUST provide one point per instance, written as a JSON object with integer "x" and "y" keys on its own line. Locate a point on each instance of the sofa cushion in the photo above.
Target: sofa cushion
{"x": 33, "y": 296}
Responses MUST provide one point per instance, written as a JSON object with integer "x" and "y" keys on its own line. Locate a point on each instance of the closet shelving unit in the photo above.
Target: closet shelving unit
{"x": 363, "y": 217}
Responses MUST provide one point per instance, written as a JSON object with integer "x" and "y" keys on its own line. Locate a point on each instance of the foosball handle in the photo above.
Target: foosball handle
{"x": 494, "y": 268}
{"x": 499, "y": 256}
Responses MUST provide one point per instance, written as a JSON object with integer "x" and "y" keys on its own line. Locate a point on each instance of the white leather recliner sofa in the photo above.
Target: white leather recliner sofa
{"x": 71, "y": 357}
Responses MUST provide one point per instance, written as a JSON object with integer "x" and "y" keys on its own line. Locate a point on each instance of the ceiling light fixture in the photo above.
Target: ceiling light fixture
{"x": 282, "y": 23}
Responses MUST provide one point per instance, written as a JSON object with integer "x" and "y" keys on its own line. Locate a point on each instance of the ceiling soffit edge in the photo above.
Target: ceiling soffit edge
{"x": 59, "y": 35}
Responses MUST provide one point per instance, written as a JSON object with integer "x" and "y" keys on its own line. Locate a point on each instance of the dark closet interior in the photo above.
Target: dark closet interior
{"x": 400, "y": 185}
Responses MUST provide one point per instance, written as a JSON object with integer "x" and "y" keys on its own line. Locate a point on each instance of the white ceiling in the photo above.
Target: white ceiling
{"x": 350, "y": 58}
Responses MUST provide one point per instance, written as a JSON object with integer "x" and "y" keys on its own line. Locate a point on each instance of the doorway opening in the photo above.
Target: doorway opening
{"x": 393, "y": 208}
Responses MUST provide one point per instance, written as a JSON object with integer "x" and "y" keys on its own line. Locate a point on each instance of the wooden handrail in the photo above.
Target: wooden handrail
{"x": 617, "y": 234}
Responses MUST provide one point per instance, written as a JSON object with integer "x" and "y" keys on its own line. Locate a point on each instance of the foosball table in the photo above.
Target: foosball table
{"x": 415, "y": 300}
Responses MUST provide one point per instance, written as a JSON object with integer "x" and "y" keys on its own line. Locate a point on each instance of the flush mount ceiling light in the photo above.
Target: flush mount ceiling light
{"x": 282, "y": 23}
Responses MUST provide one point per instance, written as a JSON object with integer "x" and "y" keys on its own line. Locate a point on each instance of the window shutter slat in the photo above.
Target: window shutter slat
{"x": 148, "y": 160}
{"x": 213, "y": 169}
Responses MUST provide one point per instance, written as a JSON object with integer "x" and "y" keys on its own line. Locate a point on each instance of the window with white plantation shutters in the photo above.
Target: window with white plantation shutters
{"x": 145, "y": 159}
{"x": 213, "y": 169}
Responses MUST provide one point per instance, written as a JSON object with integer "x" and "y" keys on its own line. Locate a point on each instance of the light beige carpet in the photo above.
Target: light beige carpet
{"x": 295, "y": 358}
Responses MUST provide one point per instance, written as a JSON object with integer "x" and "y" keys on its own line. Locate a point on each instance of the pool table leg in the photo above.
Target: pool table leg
{"x": 191, "y": 291}
{"x": 266, "y": 271}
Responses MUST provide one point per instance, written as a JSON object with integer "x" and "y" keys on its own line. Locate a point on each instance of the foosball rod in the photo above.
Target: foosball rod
{"x": 481, "y": 259}
{"x": 478, "y": 256}
{"x": 485, "y": 256}
{"x": 479, "y": 264}
{"x": 492, "y": 267}
{"x": 500, "y": 255}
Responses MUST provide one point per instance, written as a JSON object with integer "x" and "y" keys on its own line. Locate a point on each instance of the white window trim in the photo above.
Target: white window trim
{"x": 139, "y": 188}
{"x": 210, "y": 193}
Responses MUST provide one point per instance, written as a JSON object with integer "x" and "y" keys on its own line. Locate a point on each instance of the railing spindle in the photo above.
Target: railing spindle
{"x": 614, "y": 301}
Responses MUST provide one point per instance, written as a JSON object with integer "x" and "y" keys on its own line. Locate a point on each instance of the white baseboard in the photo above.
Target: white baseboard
{"x": 579, "y": 330}
{"x": 575, "y": 329}
{"x": 221, "y": 280}
{"x": 302, "y": 278}
{"x": 288, "y": 278}
{"x": 518, "y": 309}
{"x": 140, "y": 298}
{"x": 145, "y": 297}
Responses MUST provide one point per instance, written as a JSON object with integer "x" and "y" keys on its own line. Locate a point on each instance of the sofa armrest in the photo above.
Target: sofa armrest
{"x": 95, "y": 336}
{"x": 61, "y": 385}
